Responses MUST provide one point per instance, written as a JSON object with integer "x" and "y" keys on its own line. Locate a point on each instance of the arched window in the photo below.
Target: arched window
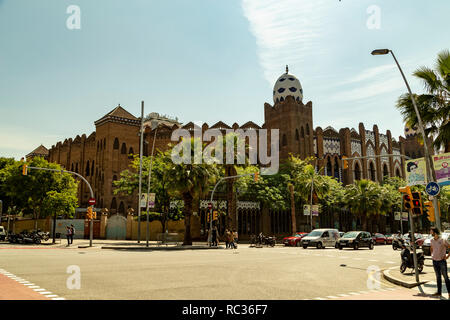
{"x": 87, "y": 169}
{"x": 76, "y": 167}
{"x": 104, "y": 143}
{"x": 116, "y": 144}
{"x": 98, "y": 146}
{"x": 114, "y": 179}
{"x": 123, "y": 149}
{"x": 72, "y": 168}
{"x": 372, "y": 172}
{"x": 385, "y": 170}
{"x": 397, "y": 173}
{"x": 336, "y": 168}
{"x": 297, "y": 137}
{"x": 329, "y": 167}
{"x": 303, "y": 133}
{"x": 357, "y": 172}
{"x": 92, "y": 168}
{"x": 307, "y": 129}
{"x": 113, "y": 204}
{"x": 284, "y": 141}
{"x": 121, "y": 208}
{"x": 131, "y": 151}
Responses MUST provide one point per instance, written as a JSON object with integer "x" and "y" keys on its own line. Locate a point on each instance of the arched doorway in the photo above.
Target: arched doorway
{"x": 357, "y": 172}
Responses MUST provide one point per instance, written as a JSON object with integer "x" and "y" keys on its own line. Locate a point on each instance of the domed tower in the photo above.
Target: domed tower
{"x": 413, "y": 147}
{"x": 291, "y": 117}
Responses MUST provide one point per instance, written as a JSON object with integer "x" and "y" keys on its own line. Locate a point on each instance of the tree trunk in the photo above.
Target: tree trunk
{"x": 230, "y": 221}
{"x": 187, "y": 198}
{"x": 364, "y": 221}
{"x": 293, "y": 220}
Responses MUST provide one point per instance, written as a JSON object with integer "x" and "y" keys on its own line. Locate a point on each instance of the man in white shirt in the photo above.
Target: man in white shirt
{"x": 438, "y": 254}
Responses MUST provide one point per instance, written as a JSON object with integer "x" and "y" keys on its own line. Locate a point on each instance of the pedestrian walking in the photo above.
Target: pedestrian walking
{"x": 227, "y": 238}
{"x": 72, "y": 233}
{"x": 439, "y": 256}
{"x": 235, "y": 238}
{"x": 68, "y": 235}
{"x": 214, "y": 236}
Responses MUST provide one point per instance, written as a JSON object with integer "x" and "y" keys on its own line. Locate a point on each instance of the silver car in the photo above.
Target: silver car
{"x": 426, "y": 246}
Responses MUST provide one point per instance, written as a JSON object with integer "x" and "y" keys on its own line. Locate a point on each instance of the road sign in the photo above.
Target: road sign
{"x": 92, "y": 202}
{"x": 306, "y": 211}
{"x": 315, "y": 210}
{"x": 404, "y": 216}
{"x": 433, "y": 189}
{"x": 397, "y": 216}
{"x": 151, "y": 200}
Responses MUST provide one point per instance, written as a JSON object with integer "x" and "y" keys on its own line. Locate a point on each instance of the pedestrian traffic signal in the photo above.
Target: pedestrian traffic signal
{"x": 208, "y": 217}
{"x": 416, "y": 203}
{"x": 215, "y": 215}
{"x": 25, "y": 169}
{"x": 430, "y": 210}
{"x": 256, "y": 176}
{"x": 344, "y": 158}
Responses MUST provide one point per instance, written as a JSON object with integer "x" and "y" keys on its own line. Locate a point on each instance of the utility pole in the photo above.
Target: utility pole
{"x": 141, "y": 134}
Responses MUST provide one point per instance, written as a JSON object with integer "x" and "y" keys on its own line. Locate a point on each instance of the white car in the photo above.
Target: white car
{"x": 321, "y": 238}
{"x": 2, "y": 233}
{"x": 426, "y": 247}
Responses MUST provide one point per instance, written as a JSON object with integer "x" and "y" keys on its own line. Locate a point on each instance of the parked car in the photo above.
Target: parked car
{"x": 426, "y": 247}
{"x": 389, "y": 238}
{"x": 356, "y": 240}
{"x": 321, "y": 238}
{"x": 379, "y": 238}
{"x": 2, "y": 233}
{"x": 341, "y": 234}
{"x": 294, "y": 240}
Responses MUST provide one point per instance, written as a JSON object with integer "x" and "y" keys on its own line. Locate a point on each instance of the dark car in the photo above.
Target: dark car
{"x": 379, "y": 238}
{"x": 356, "y": 240}
{"x": 294, "y": 240}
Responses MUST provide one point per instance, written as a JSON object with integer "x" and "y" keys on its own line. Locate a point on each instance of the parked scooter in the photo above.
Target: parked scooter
{"x": 408, "y": 259}
{"x": 28, "y": 237}
{"x": 264, "y": 240}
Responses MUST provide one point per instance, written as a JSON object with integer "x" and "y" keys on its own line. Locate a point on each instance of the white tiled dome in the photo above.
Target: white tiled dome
{"x": 287, "y": 85}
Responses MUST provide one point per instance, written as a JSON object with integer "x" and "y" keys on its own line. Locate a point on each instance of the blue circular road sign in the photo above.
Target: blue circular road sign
{"x": 433, "y": 189}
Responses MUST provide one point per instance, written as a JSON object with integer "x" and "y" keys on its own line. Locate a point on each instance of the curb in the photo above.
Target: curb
{"x": 162, "y": 248}
{"x": 409, "y": 285}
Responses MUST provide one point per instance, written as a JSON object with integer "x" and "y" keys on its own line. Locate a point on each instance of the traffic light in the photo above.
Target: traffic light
{"x": 208, "y": 217}
{"x": 215, "y": 215}
{"x": 430, "y": 210}
{"x": 407, "y": 204}
{"x": 95, "y": 214}
{"x": 89, "y": 214}
{"x": 256, "y": 176}
{"x": 416, "y": 203}
{"x": 25, "y": 169}
{"x": 344, "y": 158}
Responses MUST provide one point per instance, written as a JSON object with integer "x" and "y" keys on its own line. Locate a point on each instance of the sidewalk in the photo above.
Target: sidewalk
{"x": 427, "y": 280}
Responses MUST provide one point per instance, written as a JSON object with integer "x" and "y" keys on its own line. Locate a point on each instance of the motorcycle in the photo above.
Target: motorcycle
{"x": 28, "y": 237}
{"x": 265, "y": 240}
{"x": 407, "y": 258}
{"x": 43, "y": 235}
{"x": 12, "y": 237}
{"x": 397, "y": 243}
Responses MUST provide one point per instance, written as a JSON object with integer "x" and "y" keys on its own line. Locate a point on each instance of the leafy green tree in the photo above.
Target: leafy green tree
{"x": 29, "y": 192}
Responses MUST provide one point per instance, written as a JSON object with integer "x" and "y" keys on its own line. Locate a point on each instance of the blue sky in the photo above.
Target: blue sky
{"x": 205, "y": 60}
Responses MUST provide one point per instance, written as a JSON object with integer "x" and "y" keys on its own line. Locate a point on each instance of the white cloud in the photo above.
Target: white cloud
{"x": 286, "y": 31}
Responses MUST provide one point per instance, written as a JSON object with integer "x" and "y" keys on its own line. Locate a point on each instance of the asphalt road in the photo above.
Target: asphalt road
{"x": 245, "y": 273}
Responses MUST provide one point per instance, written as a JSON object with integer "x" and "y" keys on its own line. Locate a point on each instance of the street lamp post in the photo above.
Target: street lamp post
{"x": 141, "y": 133}
{"x": 154, "y": 126}
{"x": 431, "y": 175}
{"x": 312, "y": 188}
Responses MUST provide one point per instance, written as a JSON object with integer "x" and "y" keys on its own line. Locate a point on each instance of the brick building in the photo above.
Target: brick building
{"x": 102, "y": 155}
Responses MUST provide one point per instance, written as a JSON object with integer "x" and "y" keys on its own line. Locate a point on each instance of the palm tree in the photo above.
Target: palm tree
{"x": 434, "y": 106}
{"x": 190, "y": 182}
{"x": 363, "y": 199}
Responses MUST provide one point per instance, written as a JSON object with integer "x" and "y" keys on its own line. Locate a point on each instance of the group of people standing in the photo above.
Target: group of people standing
{"x": 231, "y": 238}
{"x": 70, "y": 232}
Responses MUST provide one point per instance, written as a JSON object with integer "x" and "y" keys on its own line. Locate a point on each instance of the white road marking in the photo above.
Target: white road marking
{"x": 51, "y": 296}
{"x": 45, "y": 292}
{"x": 33, "y": 287}
{"x": 319, "y": 299}
{"x": 58, "y": 299}
{"x": 343, "y": 295}
{"x": 353, "y": 293}
{"x": 390, "y": 262}
{"x": 363, "y": 292}
{"x": 28, "y": 284}
{"x": 39, "y": 289}
{"x": 373, "y": 260}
